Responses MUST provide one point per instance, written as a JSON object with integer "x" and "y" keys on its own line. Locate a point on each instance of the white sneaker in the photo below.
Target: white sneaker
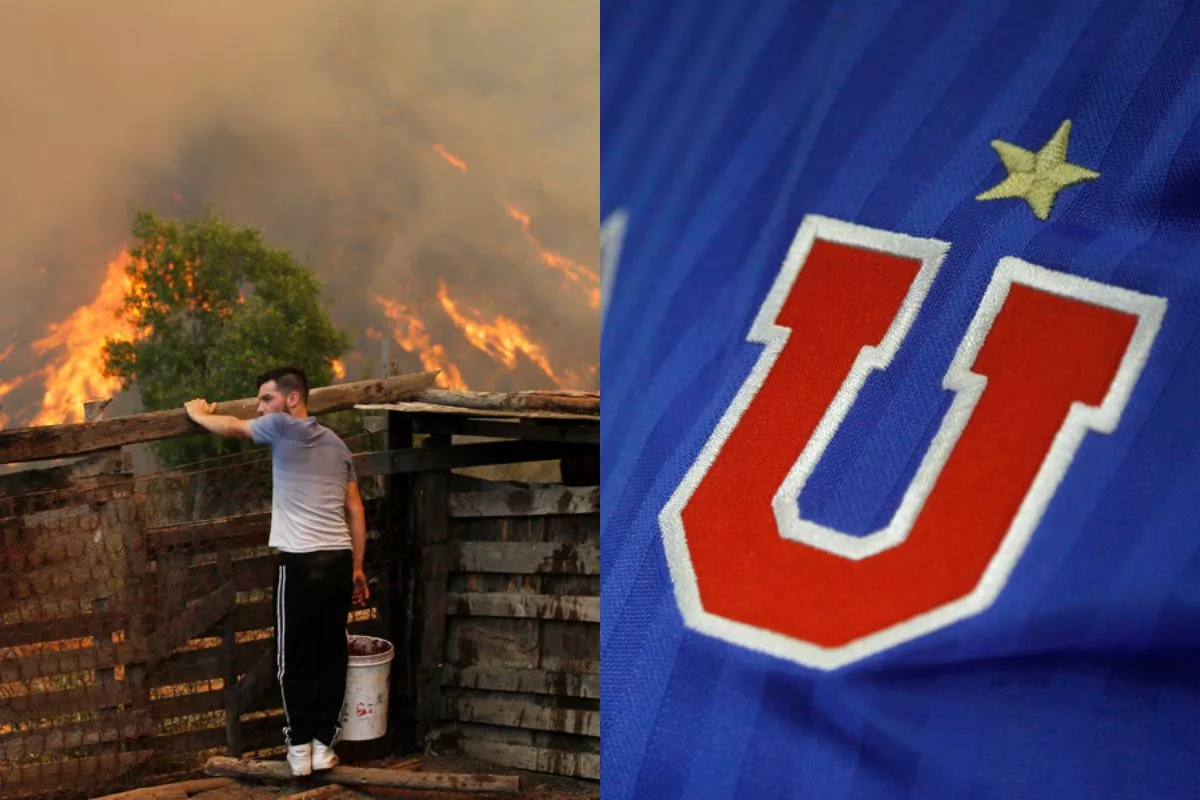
{"x": 300, "y": 758}
{"x": 323, "y": 757}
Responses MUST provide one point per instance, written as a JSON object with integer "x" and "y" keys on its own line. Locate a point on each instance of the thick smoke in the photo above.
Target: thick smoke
{"x": 314, "y": 121}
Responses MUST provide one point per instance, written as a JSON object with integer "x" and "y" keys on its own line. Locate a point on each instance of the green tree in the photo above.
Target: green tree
{"x": 214, "y": 307}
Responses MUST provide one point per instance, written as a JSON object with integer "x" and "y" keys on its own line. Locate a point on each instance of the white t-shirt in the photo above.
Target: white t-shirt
{"x": 310, "y": 467}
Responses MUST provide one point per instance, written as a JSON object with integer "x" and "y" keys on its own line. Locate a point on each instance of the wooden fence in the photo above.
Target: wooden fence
{"x": 132, "y": 644}
{"x": 520, "y": 676}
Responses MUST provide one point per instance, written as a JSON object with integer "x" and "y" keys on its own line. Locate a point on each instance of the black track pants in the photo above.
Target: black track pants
{"x": 312, "y": 598}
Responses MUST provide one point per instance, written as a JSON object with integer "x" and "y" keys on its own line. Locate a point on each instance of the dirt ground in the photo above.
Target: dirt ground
{"x": 534, "y": 785}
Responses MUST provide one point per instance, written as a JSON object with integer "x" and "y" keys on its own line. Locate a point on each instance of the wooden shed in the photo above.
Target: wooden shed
{"x": 136, "y": 610}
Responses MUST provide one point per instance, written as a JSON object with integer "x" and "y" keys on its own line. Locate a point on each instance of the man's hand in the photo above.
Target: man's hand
{"x": 204, "y": 414}
{"x": 361, "y": 592}
{"x": 199, "y": 408}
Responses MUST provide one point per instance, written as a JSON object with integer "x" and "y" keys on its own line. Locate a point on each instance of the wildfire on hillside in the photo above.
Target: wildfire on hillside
{"x": 74, "y": 350}
{"x": 410, "y": 334}
{"x": 70, "y": 353}
{"x": 501, "y": 339}
{"x": 578, "y": 274}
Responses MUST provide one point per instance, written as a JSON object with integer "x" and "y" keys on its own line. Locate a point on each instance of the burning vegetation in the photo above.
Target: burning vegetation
{"x": 73, "y": 349}
{"x": 443, "y": 189}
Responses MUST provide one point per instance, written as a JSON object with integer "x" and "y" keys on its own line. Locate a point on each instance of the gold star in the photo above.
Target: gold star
{"x": 1038, "y": 177}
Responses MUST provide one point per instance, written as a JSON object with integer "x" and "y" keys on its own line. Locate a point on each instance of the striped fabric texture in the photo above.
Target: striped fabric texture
{"x": 727, "y": 127}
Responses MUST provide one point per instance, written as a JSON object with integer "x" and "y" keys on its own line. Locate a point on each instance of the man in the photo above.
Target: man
{"x": 318, "y": 525}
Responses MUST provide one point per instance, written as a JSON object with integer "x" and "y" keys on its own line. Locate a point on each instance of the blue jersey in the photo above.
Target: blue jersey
{"x": 901, "y": 371}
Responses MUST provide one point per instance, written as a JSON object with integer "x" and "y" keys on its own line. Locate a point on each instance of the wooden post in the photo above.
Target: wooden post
{"x": 136, "y": 633}
{"x": 233, "y": 724}
{"x": 432, "y": 523}
{"x": 399, "y": 552}
{"x": 93, "y": 410}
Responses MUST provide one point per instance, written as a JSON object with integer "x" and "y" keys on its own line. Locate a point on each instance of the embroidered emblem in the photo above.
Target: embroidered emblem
{"x": 1037, "y": 178}
{"x": 1048, "y": 359}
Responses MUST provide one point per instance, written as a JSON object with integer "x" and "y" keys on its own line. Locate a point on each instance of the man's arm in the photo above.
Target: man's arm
{"x": 201, "y": 413}
{"x": 356, "y": 518}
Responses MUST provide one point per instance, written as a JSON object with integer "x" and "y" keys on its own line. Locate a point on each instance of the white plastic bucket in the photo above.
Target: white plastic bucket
{"x": 364, "y": 711}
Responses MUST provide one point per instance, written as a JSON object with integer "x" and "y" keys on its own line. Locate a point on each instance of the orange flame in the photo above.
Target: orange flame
{"x": 76, "y": 375}
{"x": 410, "y": 334}
{"x": 374, "y": 334}
{"x": 576, "y": 273}
{"x": 451, "y": 159}
{"x": 339, "y": 369}
{"x": 8, "y": 386}
{"x": 501, "y": 340}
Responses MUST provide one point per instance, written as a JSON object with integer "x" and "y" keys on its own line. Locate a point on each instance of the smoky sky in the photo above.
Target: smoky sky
{"x": 315, "y": 122}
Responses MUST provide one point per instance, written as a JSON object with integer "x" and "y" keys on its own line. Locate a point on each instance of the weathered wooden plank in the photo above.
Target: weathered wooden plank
{"x": 52, "y": 629}
{"x": 257, "y": 732}
{"x": 496, "y": 582}
{"x": 36, "y": 779}
{"x": 278, "y": 771}
{"x": 326, "y": 792}
{"x": 83, "y": 473}
{"x": 581, "y": 666}
{"x": 37, "y": 705}
{"x": 257, "y": 680}
{"x": 205, "y": 664}
{"x": 539, "y": 681}
{"x": 256, "y": 572}
{"x": 254, "y": 616}
{"x": 208, "y": 700}
{"x": 519, "y": 604}
{"x": 40, "y": 741}
{"x": 564, "y": 402}
{"x": 445, "y": 738}
{"x": 78, "y": 659}
{"x": 557, "y": 583}
{"x": 493, "y": 641}
{"x": 525, "y": 558}
{"x": 581, "y": 433}
{"x": 54, "y": 441}
{"x": 179, "y": 789}
{"x": 261, "y": 615}
{"x": 196, "y": 537}
{"x": 191, "y": 622}
{"x": 520, "y": 714}
{"x": 526, "y": 502}
{"x": 187, "y": 624}
{"x": 420, "y": 459}
{"x": 534, "y": 759}
{"x": 572, "y": 647}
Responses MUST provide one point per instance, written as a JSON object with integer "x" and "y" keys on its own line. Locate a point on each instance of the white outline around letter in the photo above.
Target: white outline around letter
{"x": 967, "y": 386}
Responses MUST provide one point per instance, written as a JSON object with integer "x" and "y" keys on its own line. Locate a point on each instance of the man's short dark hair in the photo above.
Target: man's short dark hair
{"x": 287, "y": 380}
